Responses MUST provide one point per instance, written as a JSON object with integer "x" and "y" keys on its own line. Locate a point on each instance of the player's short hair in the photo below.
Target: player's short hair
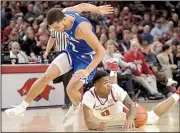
{"x": 54, "y": 15}
{"x": 99, "y": 75}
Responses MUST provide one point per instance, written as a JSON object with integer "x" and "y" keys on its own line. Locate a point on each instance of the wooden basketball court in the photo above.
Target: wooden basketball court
{"x": 49, "y": 120}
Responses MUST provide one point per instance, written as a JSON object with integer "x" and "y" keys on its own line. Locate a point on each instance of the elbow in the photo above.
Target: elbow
{"x": 101, "y": 52}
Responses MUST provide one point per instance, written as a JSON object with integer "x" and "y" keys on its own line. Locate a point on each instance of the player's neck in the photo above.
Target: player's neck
{"x": 99, "y": 94}
{"x": 71, "y": 19}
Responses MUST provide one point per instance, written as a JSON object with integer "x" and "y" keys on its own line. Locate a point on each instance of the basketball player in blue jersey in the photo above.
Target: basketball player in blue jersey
{"x": 83, "y": 53}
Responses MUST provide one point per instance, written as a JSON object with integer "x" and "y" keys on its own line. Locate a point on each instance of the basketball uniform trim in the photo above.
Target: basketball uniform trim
{"x": 113, "y": 96}
{"x": 94, "y": 97}
{"x": 99, "y": 99}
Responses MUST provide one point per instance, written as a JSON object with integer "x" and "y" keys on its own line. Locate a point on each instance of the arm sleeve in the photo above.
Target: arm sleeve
{"x": 88, "y": 100}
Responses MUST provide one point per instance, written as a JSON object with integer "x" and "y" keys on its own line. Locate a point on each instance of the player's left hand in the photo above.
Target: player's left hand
{"x": 105, "y": 9}
{"x": 81, "y": 74}
{"x": 129, "y": 124}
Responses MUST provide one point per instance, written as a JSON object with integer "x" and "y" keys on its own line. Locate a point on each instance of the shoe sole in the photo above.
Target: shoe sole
{"x": 14, "y": 116}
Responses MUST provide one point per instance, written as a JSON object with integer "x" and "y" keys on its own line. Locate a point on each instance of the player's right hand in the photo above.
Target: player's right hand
{"x": 45, "y": 55}
{"x": 129, "y": 124}
{"x": 102, "y": 126}
{"x": 105, "y": 9}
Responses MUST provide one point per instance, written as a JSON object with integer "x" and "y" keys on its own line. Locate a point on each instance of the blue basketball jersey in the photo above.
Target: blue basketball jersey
{"x": 75, "y": 45}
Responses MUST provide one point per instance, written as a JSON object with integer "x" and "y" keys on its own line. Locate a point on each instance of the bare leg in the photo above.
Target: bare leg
{"x": 164, "y": 106}
{"x": 39, "y": 85}
{"x": 73, "y": 91}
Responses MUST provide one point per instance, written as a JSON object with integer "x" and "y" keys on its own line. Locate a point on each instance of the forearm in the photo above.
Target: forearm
{"x": 96, "y": 60}
{"x": 50, "y": 44}
{"x": 131, "y": 107}
{"x": 86, "y": 7}
{"x": 131, "y": 114}
{"x": 92, "y": 125}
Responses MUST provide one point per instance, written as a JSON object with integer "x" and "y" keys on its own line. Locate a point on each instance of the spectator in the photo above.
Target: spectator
{"x": 29, "y": 45}
{"x": 124, "y": 44}
{"x": 147, "y": 20}
{"x": 157, "y": 30}
{"x": 175, "y": 19}
{"x": 38, "y": 8}
{"x": 146, "y": 36}
{"x": 142, "y": 74}
{"x": 6, "y": 16}
{"x": 103, "y": 39}
{"x": 30, "y": 15}
{"x": 156, "y": 46}
{"x": 166, "y": 60}
{"x": 16, "y": 53}
{"x": 173, "y": 38}
{"x": 111, "y": 55}
{"x": 153, "y": 63}
{"x": 125, "y": 12}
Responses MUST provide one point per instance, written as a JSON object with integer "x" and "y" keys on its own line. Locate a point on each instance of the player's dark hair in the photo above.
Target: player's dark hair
{"x": 165, "y": 47}
{"x": 99, "y": 75}
{"x": 54, "y": 15}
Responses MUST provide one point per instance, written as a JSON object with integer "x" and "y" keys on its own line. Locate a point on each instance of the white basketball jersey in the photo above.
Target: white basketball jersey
{"x": 110, "y": 108}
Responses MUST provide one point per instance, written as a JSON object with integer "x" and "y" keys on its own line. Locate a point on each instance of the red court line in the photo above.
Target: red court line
{"x": 9, "y": 69}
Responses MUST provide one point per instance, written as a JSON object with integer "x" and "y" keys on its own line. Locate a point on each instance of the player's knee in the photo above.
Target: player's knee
{"x": 46, "y": 78}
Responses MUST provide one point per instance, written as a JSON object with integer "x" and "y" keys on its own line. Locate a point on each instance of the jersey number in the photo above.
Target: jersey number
{"x": 105, "y": 113}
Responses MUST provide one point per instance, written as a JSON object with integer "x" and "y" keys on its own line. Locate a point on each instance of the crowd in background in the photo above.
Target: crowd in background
{"x": 151, "y": 27}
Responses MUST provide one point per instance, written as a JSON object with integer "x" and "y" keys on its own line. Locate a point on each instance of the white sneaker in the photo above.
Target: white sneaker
{"x": 70, "y": 116}
{"x": 17, "y": 111}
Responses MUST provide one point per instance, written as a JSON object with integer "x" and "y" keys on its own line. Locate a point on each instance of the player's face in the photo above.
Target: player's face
{"x": 105, "y": 85}
{"x": 58, "y": 26}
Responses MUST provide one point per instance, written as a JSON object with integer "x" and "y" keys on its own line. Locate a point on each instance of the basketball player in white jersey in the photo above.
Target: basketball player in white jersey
{"x": 106, "y": 101}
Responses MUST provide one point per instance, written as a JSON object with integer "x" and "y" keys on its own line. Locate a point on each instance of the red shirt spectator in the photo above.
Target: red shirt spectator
{"x": 138, "y": 59}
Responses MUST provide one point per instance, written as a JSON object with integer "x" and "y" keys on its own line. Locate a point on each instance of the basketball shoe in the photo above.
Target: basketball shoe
{"x": 71, "y": 115}
{"x": 17, "y": 111}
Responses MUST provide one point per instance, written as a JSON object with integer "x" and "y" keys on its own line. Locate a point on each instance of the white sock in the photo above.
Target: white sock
{"x": 76, "y": 106}
{"x": 24, "y": 104}
{"x": 176, "y": 97}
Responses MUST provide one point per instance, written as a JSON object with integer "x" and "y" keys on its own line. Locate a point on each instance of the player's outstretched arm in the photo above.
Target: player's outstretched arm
{"x": 86, "y": 7}
{"x": 129, "y": 124}
{"x": 90, "y": 120}
{"x": 49, "y": 46}
{"x": 84, "y": 32}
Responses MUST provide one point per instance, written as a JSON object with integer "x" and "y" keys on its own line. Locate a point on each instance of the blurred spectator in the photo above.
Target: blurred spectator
{"x": 103, "y": 39}
{"x": 157, "y": 30}
{"x": 123, "y": 73}
{"x": 175, "y": 19}
{"x": 166, "y": 60}
{"x": 156, "y": 46}
{"x": 29, "y": 46}
{"x": 16, "y": 53}
{"x": 176, "y": 52}
{"x": 124, "y": 44}
{"x": 142, "y": 74}
{"x": 152, "y": 62}
{"x": 147, "y": 20}
{"x": 30, "y": 15}
{"x": 173, "y": 38}
{"x": 38, "y": 8}
{"x": 125, "y": 12}
{"x": 5, "y": 18}
{"x": 146, "y": 36}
